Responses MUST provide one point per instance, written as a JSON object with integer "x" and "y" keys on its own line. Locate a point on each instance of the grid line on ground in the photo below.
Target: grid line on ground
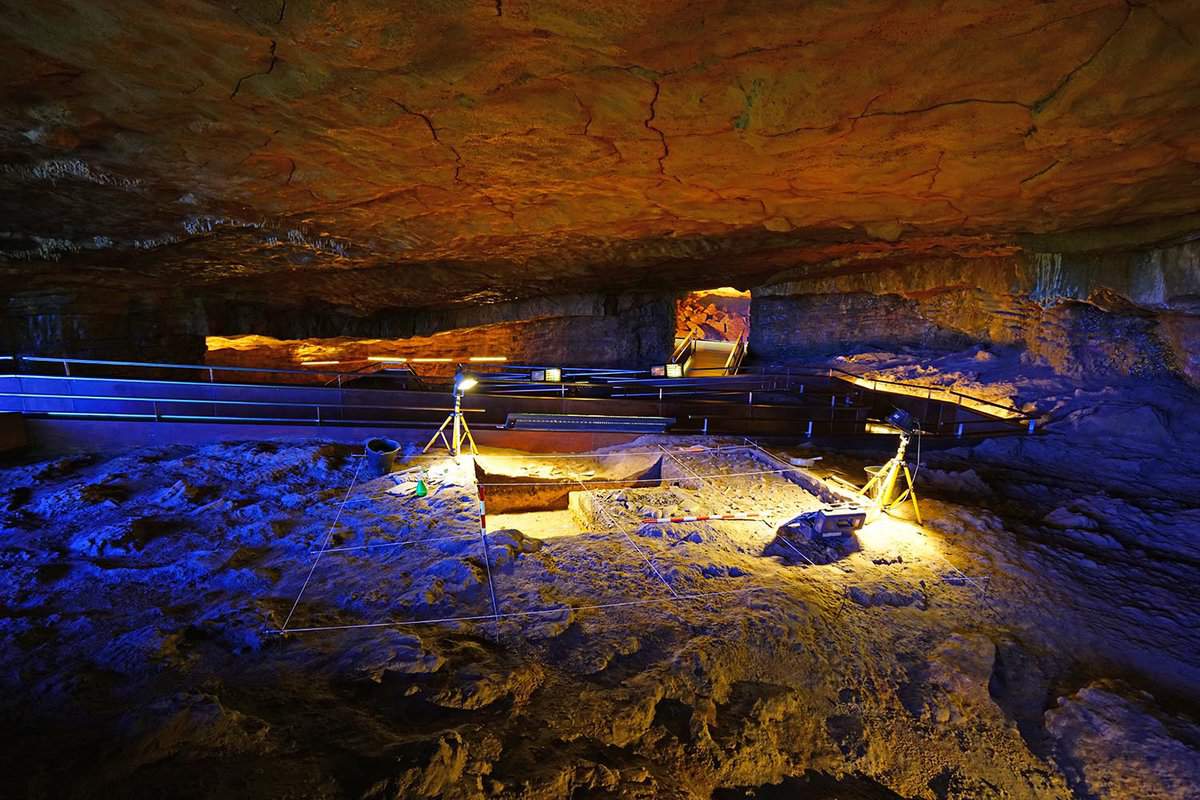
{"x": 588, "y": 454}
{"x": 497, "y": 615}
{"x": 380, "y": 545}
{"x": 325, "y": 544}
{"x": 625, "y": 482}
{"x": 694, "y": 474}
{"x": 487, "y": 557}
{"x": 612, "y": 525}
{"x": 539, "y": 612}
{"x": 587, "y": 536}
{"x": 982, "y": 592}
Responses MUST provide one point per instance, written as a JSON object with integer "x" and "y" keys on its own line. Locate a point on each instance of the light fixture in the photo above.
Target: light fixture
{"x": 463, "y": 383}
{"x": 487, "y": 359}
{"x": 553, "y": 375}
{"x": 388, "y": 359}
{"x": 318, "y": 363}
{"x": 674, "y": 370}
{"x": 881, "y": 488}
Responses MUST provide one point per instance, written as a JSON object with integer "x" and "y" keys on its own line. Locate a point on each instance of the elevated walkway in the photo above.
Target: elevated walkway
{"x": 793, "y": 404}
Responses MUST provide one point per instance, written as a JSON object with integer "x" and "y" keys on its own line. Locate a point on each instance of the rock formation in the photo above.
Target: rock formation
{"x": 170, "y": 172}
{"x": 713, "y": 316}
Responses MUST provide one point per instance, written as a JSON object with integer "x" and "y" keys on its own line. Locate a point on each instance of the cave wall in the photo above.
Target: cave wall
{"x": 635, "y": 337}
{"x": 106, "y": 323}
{"x": 569, "y": 330}
{"x": 1082, "y": 314}
{"x": 584, "y": 329}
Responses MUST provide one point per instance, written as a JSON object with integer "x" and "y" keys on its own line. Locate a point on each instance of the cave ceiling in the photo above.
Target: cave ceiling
{"x": 381, "y": 154}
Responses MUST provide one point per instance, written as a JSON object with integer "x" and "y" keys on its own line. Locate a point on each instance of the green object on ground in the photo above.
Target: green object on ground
{"x": 422, "y": 489}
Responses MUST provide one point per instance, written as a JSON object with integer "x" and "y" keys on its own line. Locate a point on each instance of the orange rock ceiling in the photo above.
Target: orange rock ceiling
{"x": 401, "y": 154}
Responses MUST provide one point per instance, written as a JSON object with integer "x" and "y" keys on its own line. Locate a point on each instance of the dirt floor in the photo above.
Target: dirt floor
{"x": 1031, "y": 640}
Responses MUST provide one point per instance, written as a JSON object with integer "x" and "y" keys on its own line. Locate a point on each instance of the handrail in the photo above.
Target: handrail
{"x": 212, "y": 402}
{"x": 736, "y": 354}
{"x": 619, "y": 378}
{"x": 1009, "y": 412}
{"x": 688, "y": 343}
{"x": 158, "y": 365}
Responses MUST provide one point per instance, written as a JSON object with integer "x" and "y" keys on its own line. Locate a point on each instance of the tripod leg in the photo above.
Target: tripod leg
{"x": 436, "y": 434}
{"x": 469, "y": 437}
{"x": 912, "y": 492}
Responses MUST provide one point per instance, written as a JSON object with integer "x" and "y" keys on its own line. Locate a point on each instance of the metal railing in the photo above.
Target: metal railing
{"x": 810, "y": 387}
{"x": 737, "y": 355}
{"x": 66, "y": 401}
{"x": 683, "y": 349}
{"x": 924, "y": 391}
{"x": 208, "y": 370}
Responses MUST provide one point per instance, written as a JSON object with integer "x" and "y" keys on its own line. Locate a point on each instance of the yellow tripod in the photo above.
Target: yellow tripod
{"x": 459, "y": 431}
{"x": 884, "y": 482}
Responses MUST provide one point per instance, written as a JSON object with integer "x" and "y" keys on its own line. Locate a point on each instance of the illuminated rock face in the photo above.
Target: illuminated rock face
{"x": 1123, "y": 314}
{"x": 400, "y": 155}
{"x": 245, "y": 168}
{"x": 639, "y": 336}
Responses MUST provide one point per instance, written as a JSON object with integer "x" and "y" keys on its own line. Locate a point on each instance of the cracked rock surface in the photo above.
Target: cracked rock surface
{"x": 409, "y": 154}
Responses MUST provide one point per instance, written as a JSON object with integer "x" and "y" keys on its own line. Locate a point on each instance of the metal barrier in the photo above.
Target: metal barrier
{"x": 814, "y": 401}
{"x": 61, "y": 396}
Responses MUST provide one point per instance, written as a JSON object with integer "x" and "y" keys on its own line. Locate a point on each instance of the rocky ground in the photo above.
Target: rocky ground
{"x": 1036, "y": 639}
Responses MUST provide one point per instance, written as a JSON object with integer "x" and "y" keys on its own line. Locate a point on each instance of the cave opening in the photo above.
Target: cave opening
{"x": 716, "y": 315}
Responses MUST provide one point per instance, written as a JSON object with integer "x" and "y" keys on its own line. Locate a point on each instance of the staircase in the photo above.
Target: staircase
{"x": 702, "y": 358}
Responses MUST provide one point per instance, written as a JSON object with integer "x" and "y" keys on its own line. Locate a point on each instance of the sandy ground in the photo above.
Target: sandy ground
{"x": 1023, "y": 644}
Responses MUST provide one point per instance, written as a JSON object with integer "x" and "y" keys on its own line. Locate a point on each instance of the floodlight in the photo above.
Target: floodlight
{"x": 674, "y": 370}
{"x": 902, "y": 420}
{"x": 465, "y": 382}
{"x": 553, "y": 375}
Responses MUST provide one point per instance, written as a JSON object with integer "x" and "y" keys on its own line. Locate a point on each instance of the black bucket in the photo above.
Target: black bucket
{"x": 381, "y": 455}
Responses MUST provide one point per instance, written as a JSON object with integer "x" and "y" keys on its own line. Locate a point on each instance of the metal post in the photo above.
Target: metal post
{"x": 210, "y": 375}
{"x": 1031, "y": 424}
{"x": 958, "y": 432}
{"x": 457, "y": 424}
{"x": 66, "y": 368}
{"x": 318, "y": 415}
{"x": 808, "y": 433}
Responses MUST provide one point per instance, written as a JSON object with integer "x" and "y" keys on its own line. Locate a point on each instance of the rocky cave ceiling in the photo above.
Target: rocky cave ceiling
{"x": 380, "y": 154}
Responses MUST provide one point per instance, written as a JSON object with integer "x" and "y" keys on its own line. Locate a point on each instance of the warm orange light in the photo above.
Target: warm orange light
{"x": 388, "y": 359}
{"x": 481, "y": 359}
{"x": 318, "y": 363}
{"x": 431, "y": 360}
